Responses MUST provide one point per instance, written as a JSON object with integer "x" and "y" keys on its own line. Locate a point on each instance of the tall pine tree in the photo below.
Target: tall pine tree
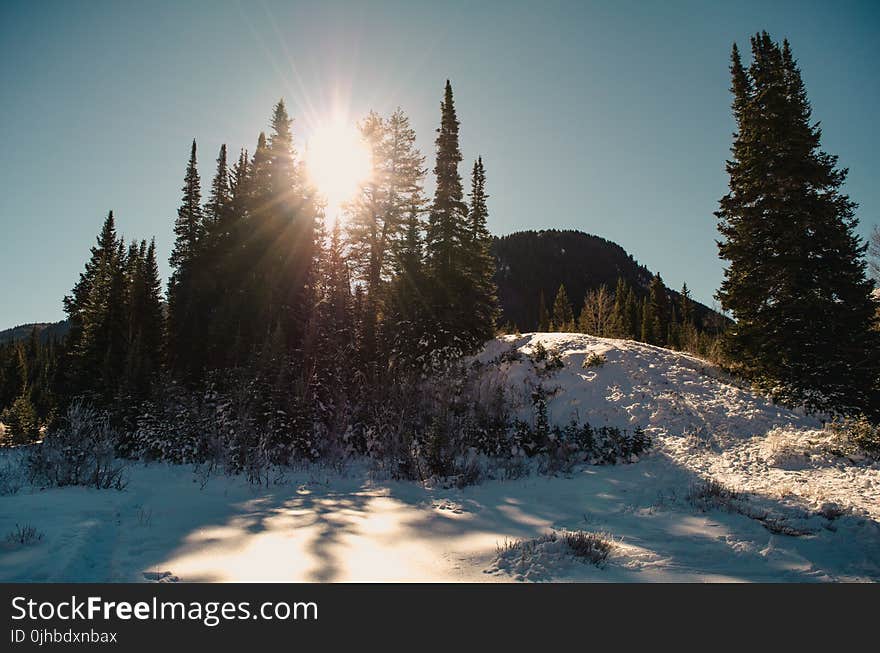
{"x": 795, "y": 280}
{"x": 447, "y": 232}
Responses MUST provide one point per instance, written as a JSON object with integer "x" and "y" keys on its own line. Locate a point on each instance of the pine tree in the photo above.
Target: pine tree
{"x": 658, "y": 312}
{"x": 686, "y": 305}
{"x": 543, "y": 314}
{"x": 96, "y": 307}
{"x": 145, "y": 321}
{"x": 220, "y": 199}
{"x": 408, "y": 318}
{"x": 563, "y": 316}
{"x": 216, "y": 284}
{"x": 688, "y": 336}
{"x": 75, "y": 302}
{"x": 446, "y": 230}
{"x": 282, "y": 248}
{"x": 795, "y": 281}
{"x": 190, "y": 225}
{"x": 186, "y": 304}
{"x": 480, "y": 301}
{"x": 377, "y": 217}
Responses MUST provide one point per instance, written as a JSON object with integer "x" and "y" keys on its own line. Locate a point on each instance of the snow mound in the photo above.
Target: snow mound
{"x": 622, "y": 383}
{"x": 549, "y": 556}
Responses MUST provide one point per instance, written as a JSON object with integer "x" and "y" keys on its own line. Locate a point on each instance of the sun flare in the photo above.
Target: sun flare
{"x": 338, "y": 162}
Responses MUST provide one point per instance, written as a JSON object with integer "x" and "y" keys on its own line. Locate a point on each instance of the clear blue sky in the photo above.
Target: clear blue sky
{"x": 609, "y": 117}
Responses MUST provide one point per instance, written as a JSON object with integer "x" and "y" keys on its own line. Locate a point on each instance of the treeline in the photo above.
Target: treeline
{"x": 314, "y": 322}
{"x": 656, "y": 318}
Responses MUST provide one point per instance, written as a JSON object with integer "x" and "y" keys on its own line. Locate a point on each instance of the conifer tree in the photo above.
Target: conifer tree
{"x": 377, "y": 217}
{"x": 409, "y": 316}
{"x": 686, "y": 305}
{"x": 283, "y": 216}
{"x": 215, "y": 284}
{"x": 563, "y": 315}
{"x": 658, "y": 312}
{"x": 446, "y": 229}
{"x": 543, "y": 314}
{"x": 145, "y": 320}
{"x": 185, "y": 303}
{"x": 646, "y": 321}
{"x": 96, "y": 308}
{"x": 75, "y": 302}
{"x": 795, "y": 281}
{"x": 480, "y": 300}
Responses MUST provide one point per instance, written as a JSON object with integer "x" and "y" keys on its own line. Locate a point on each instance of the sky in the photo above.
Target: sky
{"x": 608, "y": 117}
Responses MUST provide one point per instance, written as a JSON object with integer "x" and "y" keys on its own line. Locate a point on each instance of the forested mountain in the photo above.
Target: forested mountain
{"x": 47, "y": 330}
{"x": 530, "y": 263}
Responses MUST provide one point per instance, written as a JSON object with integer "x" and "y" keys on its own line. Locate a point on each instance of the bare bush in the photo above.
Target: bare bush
{"x": 23, "y": 535}
{"x": 709, "y": 493}
{"x": 79, "y": 451}
{"x": 593, "y": 547}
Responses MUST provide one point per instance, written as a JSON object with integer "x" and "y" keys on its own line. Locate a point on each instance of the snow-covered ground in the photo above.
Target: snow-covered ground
{"x": 801, "y": 513}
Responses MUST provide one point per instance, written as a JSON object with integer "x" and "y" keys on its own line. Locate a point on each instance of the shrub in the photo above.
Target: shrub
{"x": 708, "y": 494}
{"x": 539, "y": 352}
{"x": 79, "y": 451}
{"x": 857, "y": 435}
{"x": 10, "y": 477}
{"x": 554, "y": 361}
{"x": 594, "y": 547}
{"x": 23, "y": 535}
{"x": 594, "y": 359}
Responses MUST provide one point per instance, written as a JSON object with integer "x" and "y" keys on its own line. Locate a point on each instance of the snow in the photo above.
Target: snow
{"x": 174, "y": 524}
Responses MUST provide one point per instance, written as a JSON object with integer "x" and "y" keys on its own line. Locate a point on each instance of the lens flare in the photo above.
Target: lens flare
{"x": 338, "y": 161}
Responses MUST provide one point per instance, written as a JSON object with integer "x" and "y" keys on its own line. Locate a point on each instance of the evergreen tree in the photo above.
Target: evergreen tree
{"x": 543, "y": 314}
{"x": 447, "y": 231}
{"x": 563, "y": 316}
{"x": 186, "y": 305}
{"x": 686, "y": 305}
{"x": 646, "y": 321}
{"x": 96, "y": 307}
{"x": 145, "y": 320}
{"x": 377, "y": 217}
{"x": 282, "y": 248}
{"x": 795, "y": 280}
{"x": 220, "y": 201}
{"x": 217, "y": 284}
{"x": 658, "y": 313}
{"x": 75, "y": 302}
{"x": 480, "y": 301}
{"x": 409, "y": 317}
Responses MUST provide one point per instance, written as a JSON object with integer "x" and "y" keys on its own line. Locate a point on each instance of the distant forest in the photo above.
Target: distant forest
{"x": 535, "y": 263}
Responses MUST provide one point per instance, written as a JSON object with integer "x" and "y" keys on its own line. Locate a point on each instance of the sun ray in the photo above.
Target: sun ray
{"x": 338, "y": 161}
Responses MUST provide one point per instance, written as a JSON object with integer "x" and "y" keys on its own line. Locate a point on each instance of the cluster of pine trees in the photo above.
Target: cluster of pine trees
{"x": 795, "y": 282}
{"x": 315, "y": 320}
{"x": 655, "y": 318}
{"x": 28, "y": 378}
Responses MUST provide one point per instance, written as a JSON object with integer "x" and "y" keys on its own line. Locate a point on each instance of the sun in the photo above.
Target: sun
{"x": 338, "y": 161}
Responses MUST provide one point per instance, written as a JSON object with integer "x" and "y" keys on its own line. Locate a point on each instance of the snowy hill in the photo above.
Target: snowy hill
{"x": 734, "y": 489}
{"x": 667, "y": 392}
